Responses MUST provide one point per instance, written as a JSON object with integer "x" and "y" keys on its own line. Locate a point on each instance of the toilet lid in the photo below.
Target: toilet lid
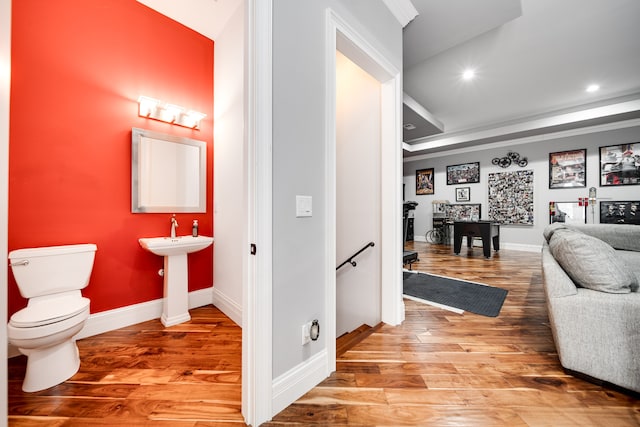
{"x": 49, "y": 311}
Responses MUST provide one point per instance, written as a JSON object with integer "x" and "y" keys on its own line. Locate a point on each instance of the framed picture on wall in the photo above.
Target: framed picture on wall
{"x": 568, "y": 169}
{"x": 626, "y": 212}
{"x": 464, "y": 212}
{"x": 463, "y": 194}
{"x": 511, "y": 197}
{"x": 620, "y": 164}
{"x": 424, "y": 181}
{"x": 466, "y": 173}
{"x": 567, "y": 212}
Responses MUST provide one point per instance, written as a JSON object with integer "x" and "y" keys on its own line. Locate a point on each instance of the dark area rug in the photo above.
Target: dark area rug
{"x": 468, "y": 296}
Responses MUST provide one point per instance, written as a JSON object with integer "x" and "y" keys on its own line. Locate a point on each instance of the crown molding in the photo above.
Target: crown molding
{"x": 403, "y": 10}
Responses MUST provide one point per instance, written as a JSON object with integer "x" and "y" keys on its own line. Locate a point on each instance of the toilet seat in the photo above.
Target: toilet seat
{"x": 49, "y": 310}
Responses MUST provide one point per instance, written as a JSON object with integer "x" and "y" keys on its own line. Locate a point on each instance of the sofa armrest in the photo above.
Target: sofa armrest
{"x": 598, "y": 334}
{"x": 557, "y": 282}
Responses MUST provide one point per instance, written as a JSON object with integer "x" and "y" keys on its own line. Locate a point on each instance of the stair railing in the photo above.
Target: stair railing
{"x": 350, "y": 260}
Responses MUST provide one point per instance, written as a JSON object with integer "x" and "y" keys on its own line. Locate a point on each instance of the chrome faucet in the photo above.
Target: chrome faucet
{"x": 174, "y": 225}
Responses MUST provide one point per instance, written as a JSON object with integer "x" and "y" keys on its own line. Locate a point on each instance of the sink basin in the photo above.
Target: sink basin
{"x": 167, "y": 246}
{"x": 175, "y": 304}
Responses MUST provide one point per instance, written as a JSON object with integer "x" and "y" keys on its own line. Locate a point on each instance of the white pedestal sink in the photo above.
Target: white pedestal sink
{"x": 175, "y": 305}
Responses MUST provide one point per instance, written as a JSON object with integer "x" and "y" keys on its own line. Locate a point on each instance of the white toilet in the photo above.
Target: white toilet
{"x": 51, "y": 278}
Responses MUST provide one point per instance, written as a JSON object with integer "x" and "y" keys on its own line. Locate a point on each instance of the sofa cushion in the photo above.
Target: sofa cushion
{"x": 590, "y": 262}
{"x": 631, "y": 260}
{"x": 551, "y": 228}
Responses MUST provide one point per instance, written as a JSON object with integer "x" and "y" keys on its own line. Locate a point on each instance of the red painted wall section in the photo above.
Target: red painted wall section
{"x": 78, "y": 68}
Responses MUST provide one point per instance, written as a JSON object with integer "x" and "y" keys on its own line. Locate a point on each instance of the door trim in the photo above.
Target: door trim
{"x": 257, "y": 371}
{"x": 342, "y": 36}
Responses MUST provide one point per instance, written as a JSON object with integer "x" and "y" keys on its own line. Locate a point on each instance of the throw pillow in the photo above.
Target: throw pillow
{"x": 590, "y": 262}
{"x": 552, "y": 228}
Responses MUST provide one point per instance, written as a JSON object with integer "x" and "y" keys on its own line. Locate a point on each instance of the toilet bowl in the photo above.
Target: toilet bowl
{"x": 44, "y": 331}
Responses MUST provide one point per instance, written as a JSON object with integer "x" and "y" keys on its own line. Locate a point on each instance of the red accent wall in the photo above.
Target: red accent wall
{"x": 78, "y": 68}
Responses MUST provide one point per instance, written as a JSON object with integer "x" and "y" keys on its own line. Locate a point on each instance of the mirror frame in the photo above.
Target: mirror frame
{"x": 136, "y": 207}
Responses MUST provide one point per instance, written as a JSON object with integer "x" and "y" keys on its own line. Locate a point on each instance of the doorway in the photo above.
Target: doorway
{"x": 341, "y": 37}
{"x": 357, "y": 196}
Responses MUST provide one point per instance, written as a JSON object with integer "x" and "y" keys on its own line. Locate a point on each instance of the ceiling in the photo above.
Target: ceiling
{"x": 208, "y": 17}
{"x": 533, "y": 61}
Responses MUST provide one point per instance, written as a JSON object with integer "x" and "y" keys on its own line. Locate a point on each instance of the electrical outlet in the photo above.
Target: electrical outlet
{"x": 306, "y": 333}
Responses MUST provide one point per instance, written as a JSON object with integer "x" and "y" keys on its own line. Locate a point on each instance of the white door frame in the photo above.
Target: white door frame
{"x": 342, "y": 36}
{"x": 5, "y": 85}
{"x": 257, "y": 370}
{"x": 257, "y": 374}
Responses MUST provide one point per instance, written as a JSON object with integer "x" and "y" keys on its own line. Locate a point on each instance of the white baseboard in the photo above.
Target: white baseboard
{"x": 291, "y": 385}
{"x": 522, "y": 247}
{"x": 130, "y": 315}
{"x": 478, "y": 243}
{"x": 229, "y": 307}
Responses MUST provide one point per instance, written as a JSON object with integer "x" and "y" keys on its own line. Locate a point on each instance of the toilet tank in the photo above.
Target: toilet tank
{"x": 52, "y": 269}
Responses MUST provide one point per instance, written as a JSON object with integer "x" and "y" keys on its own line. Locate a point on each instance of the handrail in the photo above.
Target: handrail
{"x": 350, "y": 260}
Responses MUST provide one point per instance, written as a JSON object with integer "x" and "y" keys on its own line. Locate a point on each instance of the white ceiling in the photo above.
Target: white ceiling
{"x": 208, "y": 17}
{"x": 532, "y": 66}
{"x": 533, "y": 58}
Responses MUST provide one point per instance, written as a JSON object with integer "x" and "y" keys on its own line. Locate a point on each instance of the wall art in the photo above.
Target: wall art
{"x": 466, "y": 173}
{"x": 464, "y": 212}
{"x": 424, "y": 181}
{"x": 511, "y": 158}
{"x": 511, "y": 197}
{"x": 620, "y": 164}
{"x": 568, "y": 169}
{"x": 568, "y": 212}
{"x": 463, "y": 194}
{"x": 626, "y": 212}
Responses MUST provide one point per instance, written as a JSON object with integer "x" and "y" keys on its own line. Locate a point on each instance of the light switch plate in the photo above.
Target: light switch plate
{"x": 304, "y": 206}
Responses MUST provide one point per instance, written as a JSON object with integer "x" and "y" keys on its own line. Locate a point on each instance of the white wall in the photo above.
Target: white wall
{"x": 357, "y": 196}
{"x": 299, "y": 253}
{"x": 537, "y": 151}
{"x": 229, "y": 168}
{"x": 5, "y": 85}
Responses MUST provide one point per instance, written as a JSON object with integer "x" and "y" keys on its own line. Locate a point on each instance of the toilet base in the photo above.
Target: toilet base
{"x": 50, "y": 366}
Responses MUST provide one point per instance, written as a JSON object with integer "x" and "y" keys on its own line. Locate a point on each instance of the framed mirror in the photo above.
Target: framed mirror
{"x": 567, "y": 212}
{"x": 168, "y": 173}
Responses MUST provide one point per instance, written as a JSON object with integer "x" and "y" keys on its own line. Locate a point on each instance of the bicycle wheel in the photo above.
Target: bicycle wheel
{"x": 434, "y": 236}
{"x": 429, "y": 236}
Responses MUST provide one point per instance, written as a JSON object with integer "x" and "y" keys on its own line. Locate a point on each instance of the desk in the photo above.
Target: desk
{"x": 488, "y": 230}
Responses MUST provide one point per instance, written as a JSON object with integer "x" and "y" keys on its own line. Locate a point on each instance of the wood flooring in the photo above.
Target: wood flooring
{"x": 436, "y": 369}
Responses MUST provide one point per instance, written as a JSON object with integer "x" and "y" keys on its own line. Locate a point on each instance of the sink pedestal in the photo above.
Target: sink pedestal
{"x": 175, "y": 304}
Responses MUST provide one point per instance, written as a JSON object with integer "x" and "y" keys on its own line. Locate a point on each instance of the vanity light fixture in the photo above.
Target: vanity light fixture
{"x": 158, "y": 110}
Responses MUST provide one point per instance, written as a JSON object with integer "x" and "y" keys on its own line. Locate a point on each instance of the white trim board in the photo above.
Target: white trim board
{"x": 521, "y": 140}
{"x": 229, "y": 307}
{"x": 341, "y": 36}
{"x": 403, "y": 10}
{"x": 111, "y": 320}
{"x": 291, "y": 385}
{"x": 257, "y": 346}
{"x": 511, "y": 246}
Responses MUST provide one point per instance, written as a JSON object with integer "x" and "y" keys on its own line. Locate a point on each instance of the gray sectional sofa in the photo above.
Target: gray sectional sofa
{"x": 591, "y": 275}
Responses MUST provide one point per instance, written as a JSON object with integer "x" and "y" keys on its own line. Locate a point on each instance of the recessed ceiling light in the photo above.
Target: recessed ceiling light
{"x": 468, "y": 74}
{"x": 593, "y": 88}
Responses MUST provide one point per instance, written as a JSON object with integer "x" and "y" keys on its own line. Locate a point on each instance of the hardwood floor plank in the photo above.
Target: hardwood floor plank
{"x": 419, "y": 415}
{"x": 437, "y": 368}
{"x": 477, "y": 371}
